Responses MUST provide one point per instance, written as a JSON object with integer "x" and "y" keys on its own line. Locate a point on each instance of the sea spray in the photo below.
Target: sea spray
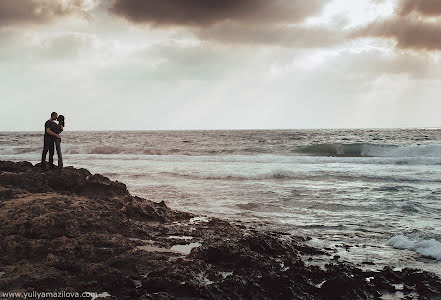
{"x": 428, "y": 248}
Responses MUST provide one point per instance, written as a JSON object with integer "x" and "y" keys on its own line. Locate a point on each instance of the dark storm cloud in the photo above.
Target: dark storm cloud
{"x": 19, "y": 12}
{"x": 409, "y": 26}
{"x": 409, "y": 33}
{"x": 208, "y": 12}
{"x": 250, "y": 22}
{"x": 424, "y": 7}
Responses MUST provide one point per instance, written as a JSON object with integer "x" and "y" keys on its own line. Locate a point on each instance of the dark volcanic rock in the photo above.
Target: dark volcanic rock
{"x": 10, "y": 166}
{"x": 70, "y": 230}
{"x": 68, "y": 180}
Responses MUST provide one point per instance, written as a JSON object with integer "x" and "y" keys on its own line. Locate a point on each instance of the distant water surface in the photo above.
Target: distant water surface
{"x": 377, "y": 190}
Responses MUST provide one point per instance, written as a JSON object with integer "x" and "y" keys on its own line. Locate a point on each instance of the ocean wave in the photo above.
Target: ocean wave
{"x": 290, "y": 175}
{"x": 105, "y": 150}
{"x": 371, "y": 150}
{"x": 19, "y": 150}
{"x": 427, "y": 248}
{"x": 277, "y": 174}
{"x": 394, "y": 188}
{"x": 139, "y": 149}
{"x": 108, "y": 150}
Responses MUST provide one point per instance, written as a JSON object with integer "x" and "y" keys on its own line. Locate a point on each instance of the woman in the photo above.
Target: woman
{"x": 58, "y": 129}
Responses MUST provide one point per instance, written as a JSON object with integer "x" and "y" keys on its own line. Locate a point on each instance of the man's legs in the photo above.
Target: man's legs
{"x": 44, "y": 153}
{"x": 60, "y": 157}
{"x": 51, "y": 153}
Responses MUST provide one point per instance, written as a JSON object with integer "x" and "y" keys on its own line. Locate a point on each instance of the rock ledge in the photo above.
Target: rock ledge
{"x": 69, "y": 230}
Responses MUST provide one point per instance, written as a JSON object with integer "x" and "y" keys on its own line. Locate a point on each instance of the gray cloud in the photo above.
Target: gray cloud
{"x": 251, "y": 22}
{"x": 13, "y": 12}
{"x": 48, "y": 49}
{"x": 171, "y": 63}
{"x": 66, "y": 46}
{"x": 209, "y": 12}
{"x": 424, "y": 7}
{"x": 409, "y": 26}
{"x": 373, "y": 64}
{"x": 409, "y": 33}
{"x": 287, "y": 36}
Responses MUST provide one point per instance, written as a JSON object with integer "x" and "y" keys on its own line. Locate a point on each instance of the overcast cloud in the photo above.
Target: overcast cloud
{"x": 208, "y": 12}
{"x": 416, "y": 24}
{"x": 201, "y": 64}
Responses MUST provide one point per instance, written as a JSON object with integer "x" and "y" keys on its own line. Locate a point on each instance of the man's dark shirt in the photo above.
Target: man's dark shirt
{"x": 54, "y": 127}
{"x": 48, "y": 124}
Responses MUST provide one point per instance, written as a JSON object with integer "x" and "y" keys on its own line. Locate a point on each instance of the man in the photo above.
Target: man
{"x": 49, "y": 141}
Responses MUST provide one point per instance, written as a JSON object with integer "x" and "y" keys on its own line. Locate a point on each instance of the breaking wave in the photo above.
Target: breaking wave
{"x": 427, "y": 152}
{"x": 18, "y": 150}
{"x": 372, "y": 150}
{"x": 427, "y": 248}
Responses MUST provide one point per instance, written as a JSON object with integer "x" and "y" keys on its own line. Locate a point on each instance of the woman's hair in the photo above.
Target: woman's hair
{"x": 60, "y": 119}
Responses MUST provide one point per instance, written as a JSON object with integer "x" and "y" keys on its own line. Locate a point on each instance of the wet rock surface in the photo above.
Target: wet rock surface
{"x": 70, "y": 230}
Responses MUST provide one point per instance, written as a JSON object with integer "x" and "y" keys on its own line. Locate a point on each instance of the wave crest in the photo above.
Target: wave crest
{"x": 372, "y": 150}
{"x": 277, "y": 174}
{"x": 427, "y": 248}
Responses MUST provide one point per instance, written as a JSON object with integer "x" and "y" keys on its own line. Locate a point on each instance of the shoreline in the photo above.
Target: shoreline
{"x": 70, "y": 230}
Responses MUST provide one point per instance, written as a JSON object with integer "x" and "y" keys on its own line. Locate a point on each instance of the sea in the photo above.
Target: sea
{"x": 370, "y": 196}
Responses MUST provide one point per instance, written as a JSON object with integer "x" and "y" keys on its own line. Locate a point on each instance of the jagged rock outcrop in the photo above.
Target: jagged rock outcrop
{"x": 70, "y": 230}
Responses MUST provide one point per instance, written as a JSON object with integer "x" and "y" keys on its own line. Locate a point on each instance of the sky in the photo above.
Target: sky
{"x": 212, "y": 64}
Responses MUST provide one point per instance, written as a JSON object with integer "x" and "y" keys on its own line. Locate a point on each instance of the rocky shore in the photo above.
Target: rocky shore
{"x": 72, "y": 231}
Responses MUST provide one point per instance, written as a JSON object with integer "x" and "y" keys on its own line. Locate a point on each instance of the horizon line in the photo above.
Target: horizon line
{"x": 236, "y": 129}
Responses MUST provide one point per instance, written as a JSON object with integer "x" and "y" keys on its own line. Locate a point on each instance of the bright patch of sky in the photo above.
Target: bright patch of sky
{"x": 353, "y": 13}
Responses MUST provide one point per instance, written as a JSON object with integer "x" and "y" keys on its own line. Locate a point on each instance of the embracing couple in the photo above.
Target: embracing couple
{"x": 52, "y": 139}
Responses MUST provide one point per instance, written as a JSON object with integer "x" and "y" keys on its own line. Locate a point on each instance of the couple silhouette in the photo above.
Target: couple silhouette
{"x": 52, "y": 139}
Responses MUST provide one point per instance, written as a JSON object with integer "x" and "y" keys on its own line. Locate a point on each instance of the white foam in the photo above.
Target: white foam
{"x": 433, "y": 150}
{"x": 427, "y": 248}
{"x": 226, "y": 274}
{"x": 196, "y": 220}
{"x": 373, "y": 150}
{"x": 137, "y": 283}
{"x": 183, "y": 237}
{"x": 203, "y": 279}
